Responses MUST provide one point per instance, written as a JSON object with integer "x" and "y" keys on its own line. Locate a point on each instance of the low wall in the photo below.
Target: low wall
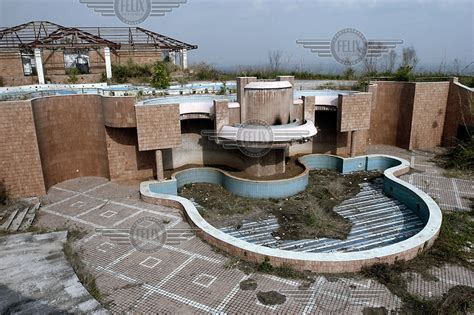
{"x": 427, "y": 209}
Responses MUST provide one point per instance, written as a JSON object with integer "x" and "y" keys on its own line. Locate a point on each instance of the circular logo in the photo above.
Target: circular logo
{"x": 255, "y": 138}
{"x": 132, "y": 11}
{"x": 147, "y": 235}
{"x": 349, "y": 46}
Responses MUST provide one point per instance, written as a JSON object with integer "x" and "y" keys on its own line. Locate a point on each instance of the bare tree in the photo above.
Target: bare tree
{"x": 275, "y": 59}
{"x": 370, "y": 64}
{"x": 371, "y": 58}
{"x": 409, "y": 57}
{"x": 456, "y": 66}
{"x": 391, "y": 60}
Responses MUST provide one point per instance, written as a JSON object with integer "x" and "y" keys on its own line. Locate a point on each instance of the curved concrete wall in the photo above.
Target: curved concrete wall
{"x": 322, "y": 262}
{"x": 71, "y": 137}
{"x": 269, "y": 105}
{"x": 239, "y": 186}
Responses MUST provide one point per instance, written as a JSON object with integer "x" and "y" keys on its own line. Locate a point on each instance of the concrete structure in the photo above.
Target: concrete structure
{"x": 47, "y": 140}
{"x": 41, "y": 51}
{"x": 334, "y": 262}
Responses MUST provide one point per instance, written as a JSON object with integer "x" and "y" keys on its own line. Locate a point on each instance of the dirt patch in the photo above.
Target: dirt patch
{"x": 248, "y": 285}
{"x": 458, "y": 300}
{"x": 374, "y": 311}
{"x": 304, "y": 216}
{"x": 271, "y": 298}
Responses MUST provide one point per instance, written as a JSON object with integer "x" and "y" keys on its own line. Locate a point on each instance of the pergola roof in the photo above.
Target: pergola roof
{"x": 43, "y": 34}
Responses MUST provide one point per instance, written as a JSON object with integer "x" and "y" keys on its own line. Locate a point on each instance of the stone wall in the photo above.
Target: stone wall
{"x": 20, "y": 165}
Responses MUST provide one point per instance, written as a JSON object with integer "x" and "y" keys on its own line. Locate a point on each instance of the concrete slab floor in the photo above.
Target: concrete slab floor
{"x": 36, "y": 277}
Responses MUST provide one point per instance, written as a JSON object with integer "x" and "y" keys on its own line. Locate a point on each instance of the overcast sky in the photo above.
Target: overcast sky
{"x": 242, "y": 32}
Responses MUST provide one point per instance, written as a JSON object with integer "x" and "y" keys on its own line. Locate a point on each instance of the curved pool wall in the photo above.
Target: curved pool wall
{"x": 427, "y": 209}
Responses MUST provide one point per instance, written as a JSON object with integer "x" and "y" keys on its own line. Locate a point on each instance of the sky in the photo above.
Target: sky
{"x": 233, "y": 33}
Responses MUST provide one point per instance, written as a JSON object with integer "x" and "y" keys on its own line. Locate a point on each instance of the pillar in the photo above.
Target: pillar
{"x": 184, "y": 59}
{"x": 353, "y": 143}
{"x": 241, "y": 83}
{"x": 160, "y": 175}
{"x": 108, "y": 63}
{"x": 172, "y": 55}
{"x": 309, "y": 103}
{"x": 39, "y": 66}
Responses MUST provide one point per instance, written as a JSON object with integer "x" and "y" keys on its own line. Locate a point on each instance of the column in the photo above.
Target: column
{"x": 39, "y": 66}
{"x": 353, "y": 143}
{"x": 108, "y": 63}
{"x": 309, "y": 103}
{"x": 172, "y": 55}
{"x": 184, "y": 59}
{"x": 160, "y": 175}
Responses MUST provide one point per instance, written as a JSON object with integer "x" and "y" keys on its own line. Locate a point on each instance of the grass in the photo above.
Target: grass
{"x": 458, "y": 160}
{"x": 73, "y": 257}
{"x": 454, "y": 246}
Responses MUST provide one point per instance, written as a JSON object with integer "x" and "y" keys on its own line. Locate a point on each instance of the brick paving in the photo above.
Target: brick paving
{"x": 451, "y": 194}
{"x": 190, "y": 277}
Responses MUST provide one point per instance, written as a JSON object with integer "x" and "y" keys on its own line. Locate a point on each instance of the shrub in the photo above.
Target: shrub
{"x": 123, "y": 72}
{"x": 160, "y": 77}
{"x": 73, "y": 72}
{"x": 404, "y": 73}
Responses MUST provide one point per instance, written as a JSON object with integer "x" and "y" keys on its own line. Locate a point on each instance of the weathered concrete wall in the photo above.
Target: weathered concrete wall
{"x": 459, "y": 112}
{"x": 199, "y": 150}
{"x": 71, "y": 137}
{"x": 269, "y": 105}
{"x": 20, "y": 165}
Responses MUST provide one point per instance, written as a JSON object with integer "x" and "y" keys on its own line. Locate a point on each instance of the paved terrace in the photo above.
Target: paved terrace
{"x": 190, "y": 277}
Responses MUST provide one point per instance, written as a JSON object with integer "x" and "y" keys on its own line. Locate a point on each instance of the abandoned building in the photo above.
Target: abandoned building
{"x": 43, "y": 52}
